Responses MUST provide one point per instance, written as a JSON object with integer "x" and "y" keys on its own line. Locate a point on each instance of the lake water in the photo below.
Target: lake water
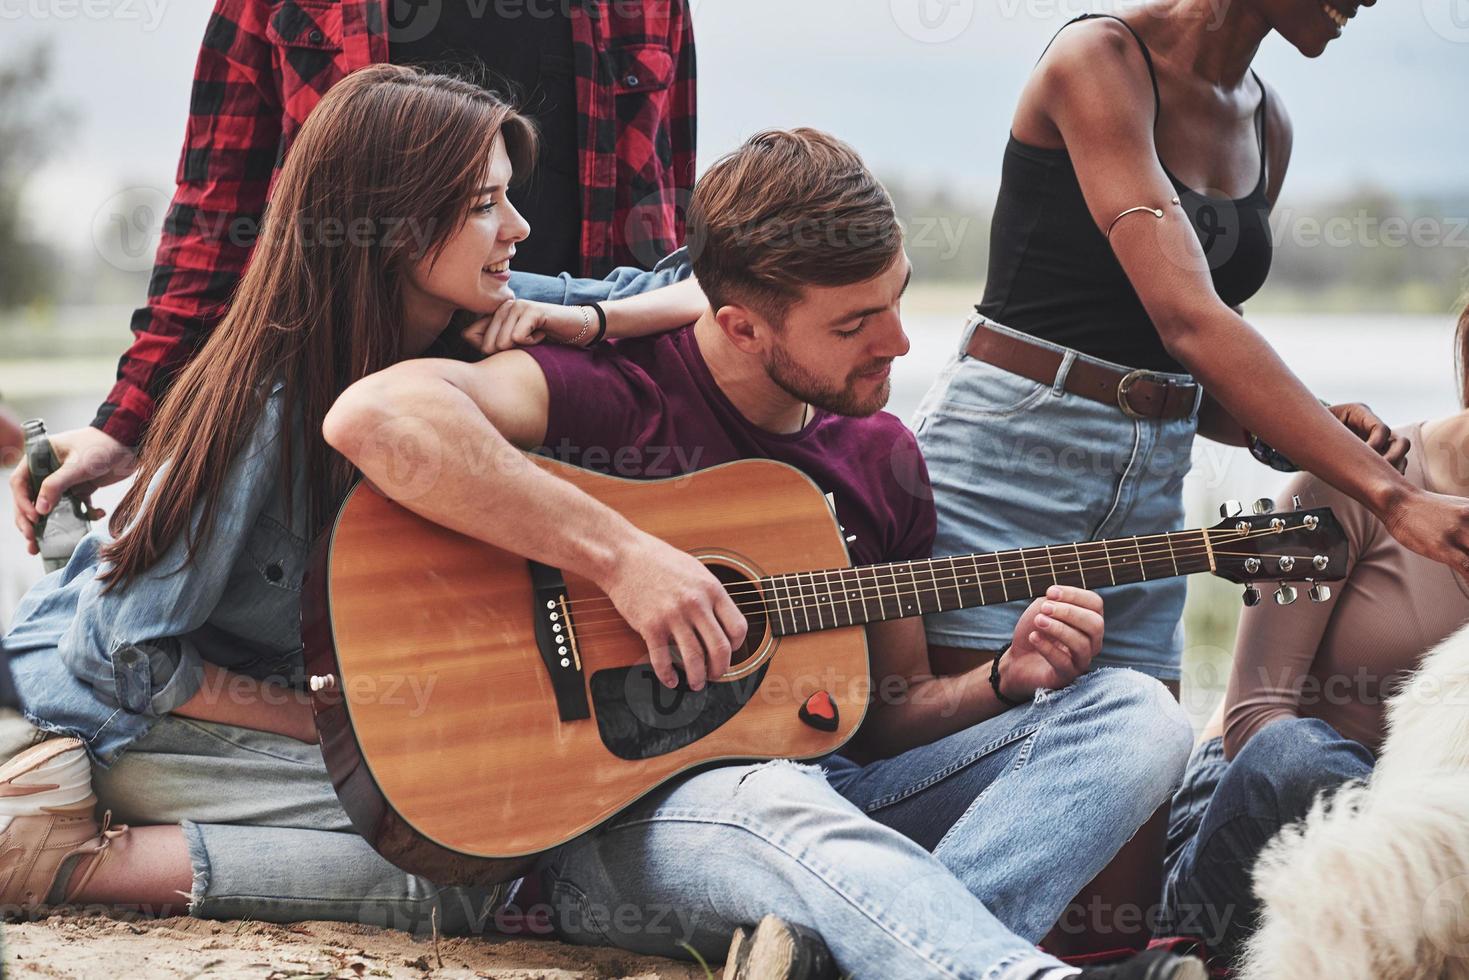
{"x": 1402, "y": 366}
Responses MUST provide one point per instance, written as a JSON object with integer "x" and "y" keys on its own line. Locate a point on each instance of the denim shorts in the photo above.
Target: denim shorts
{"x": 1017, "y": 463}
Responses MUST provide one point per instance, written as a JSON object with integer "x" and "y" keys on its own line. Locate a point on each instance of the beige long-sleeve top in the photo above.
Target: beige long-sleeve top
{"x": 1340, "y": 660}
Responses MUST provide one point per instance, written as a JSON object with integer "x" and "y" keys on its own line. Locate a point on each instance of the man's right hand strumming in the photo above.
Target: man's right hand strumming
{"x": 674, "y": 602}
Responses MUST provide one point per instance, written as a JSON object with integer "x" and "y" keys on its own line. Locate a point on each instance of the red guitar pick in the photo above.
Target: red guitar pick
{"x": 820, "y": 712}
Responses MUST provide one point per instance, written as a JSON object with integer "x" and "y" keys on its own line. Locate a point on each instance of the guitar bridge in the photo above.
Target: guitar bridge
{"x": 556, "y": 640}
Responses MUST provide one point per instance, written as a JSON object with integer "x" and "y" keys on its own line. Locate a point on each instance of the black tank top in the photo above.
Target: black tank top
{"x": 1053, "y": 275}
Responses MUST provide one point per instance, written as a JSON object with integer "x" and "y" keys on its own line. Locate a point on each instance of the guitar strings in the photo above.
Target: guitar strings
{"x": 1103, "y": 561}
{"x": 859, "y": 587}
{"x": 830, "y": 604}
{"x": 811, "y": 595}
{"x": 1092, "y": 562}
{"x": 616, "y": 625}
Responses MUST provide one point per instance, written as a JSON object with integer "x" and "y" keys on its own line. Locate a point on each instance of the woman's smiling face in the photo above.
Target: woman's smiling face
{"x": 1310, "y": 25}
{"x": 472, "y": 270}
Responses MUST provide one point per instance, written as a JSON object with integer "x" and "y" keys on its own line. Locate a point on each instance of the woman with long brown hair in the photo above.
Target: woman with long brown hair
{"x": 171, "y": 655}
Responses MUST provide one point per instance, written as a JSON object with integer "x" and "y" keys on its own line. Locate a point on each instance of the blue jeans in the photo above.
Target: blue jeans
{"x": 267, "y": 838}
{"x": 951, "y": 859}
{"x": 1016, "y": 463}
{"x": 1226, "y": 812}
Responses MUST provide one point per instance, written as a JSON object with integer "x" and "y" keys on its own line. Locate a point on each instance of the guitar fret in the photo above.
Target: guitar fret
{"x": 816, "y": 601}
{"x": 933, "y": 584}
{"x": 1079, "y": 564}
{"x": 1141, "y": 568}
{"x": 805, "y": 606}
{"x": 780, "y": 611}
{"x": 917, "y": 605}
{"x": 1107, "y": 553}
{"x": 1029, "y": 585}
{"x": 847, "y": 597}
{"x": 877, "y": 585}
{"x": 978, "y": 578}
{"x": 830, "y": 602}
{"x": 1050, "y": 560}
{"x": 837, "y": 604}
{"x": 954, "y": 571}
{"x": 1171, "y": 555}
{"x": 998, "y": 575}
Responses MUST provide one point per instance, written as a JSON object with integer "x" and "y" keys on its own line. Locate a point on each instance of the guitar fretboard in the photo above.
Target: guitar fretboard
{"x": 802, "y": 602}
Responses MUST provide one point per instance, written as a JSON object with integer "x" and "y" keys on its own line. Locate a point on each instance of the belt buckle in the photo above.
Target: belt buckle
{"x": 1125, "y": 385}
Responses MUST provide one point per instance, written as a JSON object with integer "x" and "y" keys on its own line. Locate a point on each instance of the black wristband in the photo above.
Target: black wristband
{"x": 1271, "y": 456}
{"x": 995, "y": 682}
{"x": 601, "y": 324}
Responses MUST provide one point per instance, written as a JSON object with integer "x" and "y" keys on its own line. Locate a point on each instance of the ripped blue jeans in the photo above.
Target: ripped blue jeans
{"x": 948, "y": 860}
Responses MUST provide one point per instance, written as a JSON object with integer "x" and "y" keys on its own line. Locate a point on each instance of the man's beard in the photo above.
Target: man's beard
{"x": 800, "y": 383}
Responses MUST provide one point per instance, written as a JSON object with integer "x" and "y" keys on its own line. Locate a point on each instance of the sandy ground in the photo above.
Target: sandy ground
{"x": 94, "y": 946}
{"x": 122, "y": 947}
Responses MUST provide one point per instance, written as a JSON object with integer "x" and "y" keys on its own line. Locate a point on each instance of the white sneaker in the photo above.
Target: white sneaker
{"x": 46, "y": 820}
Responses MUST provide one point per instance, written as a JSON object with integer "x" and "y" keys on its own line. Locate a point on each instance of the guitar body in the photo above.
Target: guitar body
{"x": 447, "y": 737}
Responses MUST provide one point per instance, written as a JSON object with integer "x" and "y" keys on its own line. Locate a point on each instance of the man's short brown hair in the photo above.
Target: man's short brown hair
{"x": 789, "y": 208}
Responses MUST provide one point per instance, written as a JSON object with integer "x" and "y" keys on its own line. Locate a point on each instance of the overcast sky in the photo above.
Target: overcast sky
{"x": 924, "y": 88}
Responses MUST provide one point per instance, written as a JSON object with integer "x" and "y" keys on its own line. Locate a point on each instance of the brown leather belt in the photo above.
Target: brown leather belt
{"x": 1139, "y": 394}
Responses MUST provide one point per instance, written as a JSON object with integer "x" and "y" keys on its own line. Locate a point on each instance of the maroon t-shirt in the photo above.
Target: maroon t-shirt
{"x": 649, "y": 408}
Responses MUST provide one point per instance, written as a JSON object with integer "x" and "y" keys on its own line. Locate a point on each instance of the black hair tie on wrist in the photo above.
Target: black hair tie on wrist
{"x": 601, "y": 324}
{"x": 995, "y": 682}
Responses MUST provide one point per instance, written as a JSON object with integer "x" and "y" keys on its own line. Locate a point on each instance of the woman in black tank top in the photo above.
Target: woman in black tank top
{"x": 1132, "y": 224}
{"x": 1053, "y": 275}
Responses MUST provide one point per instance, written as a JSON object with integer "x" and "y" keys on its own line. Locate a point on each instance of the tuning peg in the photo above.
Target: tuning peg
{"x": 1285, "y": 595}
{"x": 1231, "y": 508}
{"x": 1295, "y": 501}
{"x": 1251, "y": 596}
{"x": 1263, "y": 506}
{"x": 1320, "y": 593}
{"x": 1320, "y": 562}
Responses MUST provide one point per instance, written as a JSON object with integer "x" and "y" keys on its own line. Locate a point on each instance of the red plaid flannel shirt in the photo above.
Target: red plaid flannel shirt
{"x": 263, "y": 66}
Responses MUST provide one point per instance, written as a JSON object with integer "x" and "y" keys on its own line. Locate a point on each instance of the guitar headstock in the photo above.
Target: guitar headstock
{"x": 1299, "y": 546}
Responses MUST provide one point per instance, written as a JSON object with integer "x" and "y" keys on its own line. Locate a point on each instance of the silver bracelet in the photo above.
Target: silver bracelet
{"x": 586, "y": 328}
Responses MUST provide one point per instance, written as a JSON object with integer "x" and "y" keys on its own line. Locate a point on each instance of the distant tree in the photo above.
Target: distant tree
{"x": 29, "y": 123}
{"x": 948, "y": 236}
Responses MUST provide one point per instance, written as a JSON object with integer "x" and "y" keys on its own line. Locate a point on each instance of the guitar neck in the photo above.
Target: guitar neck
{"x": 804, "y": 602}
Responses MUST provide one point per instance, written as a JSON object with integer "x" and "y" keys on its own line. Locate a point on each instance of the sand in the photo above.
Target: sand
{"x": 76, "y": 945}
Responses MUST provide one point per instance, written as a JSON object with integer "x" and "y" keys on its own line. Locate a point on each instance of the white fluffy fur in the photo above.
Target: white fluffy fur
{"x": 1374, "y": 883}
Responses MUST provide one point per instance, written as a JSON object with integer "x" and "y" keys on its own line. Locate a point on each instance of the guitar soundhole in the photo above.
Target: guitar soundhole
{"x": 748, "y": 598}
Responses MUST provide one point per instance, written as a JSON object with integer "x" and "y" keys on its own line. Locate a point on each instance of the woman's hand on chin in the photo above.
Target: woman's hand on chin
{"x": 524, "y": 322}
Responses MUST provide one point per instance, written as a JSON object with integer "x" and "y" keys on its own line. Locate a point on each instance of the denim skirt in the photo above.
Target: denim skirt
{"x": 1016, "y": 463}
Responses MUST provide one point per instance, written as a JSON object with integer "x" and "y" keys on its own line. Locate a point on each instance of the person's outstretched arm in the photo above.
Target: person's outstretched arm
{"x": 230, "y": 147}
{"x": 523, "y": 322}
{"x": 467, "y": 424}
{"x": 1098, "y": 95}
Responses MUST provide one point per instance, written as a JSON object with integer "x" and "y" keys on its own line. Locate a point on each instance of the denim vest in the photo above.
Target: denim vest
{"x": 103, "y": 666}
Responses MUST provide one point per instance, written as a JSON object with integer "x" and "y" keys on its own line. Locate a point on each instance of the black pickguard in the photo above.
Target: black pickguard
{"x": 639, "y": 718}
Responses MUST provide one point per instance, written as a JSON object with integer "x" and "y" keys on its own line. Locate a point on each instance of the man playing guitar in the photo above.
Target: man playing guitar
{"x": 895, "y": 851}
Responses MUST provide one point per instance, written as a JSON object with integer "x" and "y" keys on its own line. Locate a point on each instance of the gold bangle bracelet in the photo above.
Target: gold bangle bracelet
{"x": 1155, "y": 212}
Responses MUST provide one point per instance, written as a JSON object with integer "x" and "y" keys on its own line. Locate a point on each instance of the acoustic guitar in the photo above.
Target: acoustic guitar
{"x": 477, "y": 709}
